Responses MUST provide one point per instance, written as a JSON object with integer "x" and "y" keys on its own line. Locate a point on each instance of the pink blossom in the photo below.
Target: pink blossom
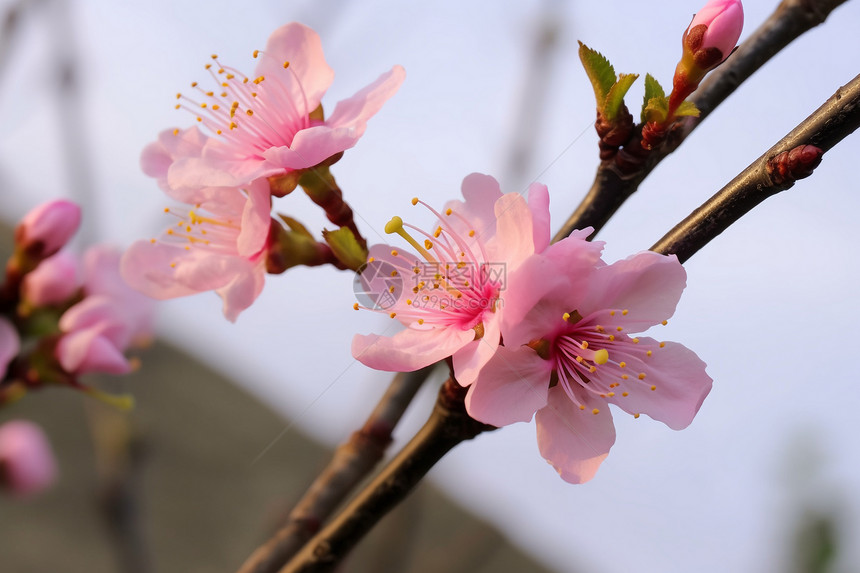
{"x": 570, "y": 351}
{"x": 218, "y": 245}
{"x": 27, "y": 463}
{"x": 446, "y": 287}
{"x": 48, "y": 227}
{"x": 722, "y": 21}
{"x": 54, "y": 281}
{"x": 265, "y": 124}
{"x": 111, "y": 318}
{"x": 10, "y": 345}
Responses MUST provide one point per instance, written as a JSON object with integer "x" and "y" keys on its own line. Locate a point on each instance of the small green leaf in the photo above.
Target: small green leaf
{"x": 600, "y": 72}
{"x": 295, "y": 226}
{"x": 615, "y": 97}
{"x": 653, "y": 89}
{"x": 346, "y": 248}
{"x": 687, "y": 108}
{"x": 656, "y": 110}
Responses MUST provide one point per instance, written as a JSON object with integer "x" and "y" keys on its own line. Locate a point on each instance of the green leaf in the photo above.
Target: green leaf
{"x": 653, "y": 89}
{"x": 615, "y": 97}
{"x": 295, "y": 226}
{"x": 687, "y": 108}
{"x": 656, "y": 110}
{"x": 600, "y": 72}
{"x": 346, "y": 248}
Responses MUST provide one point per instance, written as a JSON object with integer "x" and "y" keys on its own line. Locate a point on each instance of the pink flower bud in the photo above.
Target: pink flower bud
{"x": 54, "y": 281}
{"x": 47, "y": 228}
{"x": 27, "y": 463}
{"x": 714, "y": 32}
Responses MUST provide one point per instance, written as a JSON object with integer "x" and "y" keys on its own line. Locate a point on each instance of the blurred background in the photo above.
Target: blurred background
{"x": 767, "y": 476}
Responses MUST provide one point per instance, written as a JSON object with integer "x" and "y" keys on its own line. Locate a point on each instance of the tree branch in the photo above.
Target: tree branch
{"x": 448, "y": 425}
{"x": 351, "y": 463}
{"x": 827, "y": 126}
{"x": 614, "y": 184}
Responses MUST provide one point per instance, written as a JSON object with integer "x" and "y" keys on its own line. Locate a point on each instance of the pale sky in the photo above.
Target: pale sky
{"x": 769, "y": 305}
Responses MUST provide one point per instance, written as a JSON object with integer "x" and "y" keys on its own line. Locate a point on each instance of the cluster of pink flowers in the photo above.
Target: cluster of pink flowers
{"x": 98, "y": 317}
{"x": 553, "y": 338}
{"x": 254, "y": 128}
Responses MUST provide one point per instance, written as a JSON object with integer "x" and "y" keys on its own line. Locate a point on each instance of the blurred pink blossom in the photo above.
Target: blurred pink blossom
{"x": 27, "y": 463}
{"x": 54, "y": 281}
{"x": 449, "y": 280}
{"x": 219, "y": 244}
{"x": 265, "y": 124}
{"x": 111, "y": 318}
{"x": 570, "y": 352}
{"x": 48, "y": 227}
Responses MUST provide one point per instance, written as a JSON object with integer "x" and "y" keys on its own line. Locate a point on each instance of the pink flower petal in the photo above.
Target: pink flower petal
{"x": 242, "y": 291}
{"x": 472, "y": 357}
{"x": 510, "y": 388}
{"x": 301, "y": 47}
{"x": 354, "y": 112}
{"x": 680, "y": 380}
{"x": 311, "y": 146}
{"x": 539, "y": 206}
{"x": 646, "y": 284}
{"x": 54, "y": 281}
{"x": 574, "y": 441}
{"x": 51, "y": 225}
{"x": 480, "y": 193}
{"x": 256, "y": 220}
{"x": 409, "y": 349}
{"x": 87, "y": 350}
{"x": 514, "y": 238}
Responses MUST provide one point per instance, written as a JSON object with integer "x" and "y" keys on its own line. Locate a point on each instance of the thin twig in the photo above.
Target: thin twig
{"x": 827, "y": 126}
{"x": 350, "y": 464}
{"x": 448, "y": 425}
{"x": 611, "y": 186}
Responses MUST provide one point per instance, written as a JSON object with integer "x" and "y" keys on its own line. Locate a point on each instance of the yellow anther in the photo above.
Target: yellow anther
{"x": 437, "y": 232}
{"x": 214, "y": 56}
{"x": 152, "y": 241}
{"x": 625, "y": 394}
{"x": 216, "y": 107}
{"x": 210, "y": 94}
{"x": 420, "y": 321}
{"x": 611, "y": 313}
{"x": 260, "y": 80}
{"x": 175, "y": 132}
{"x": 582, "y": 407}
{"x": 448, "y": 211}
{"x": 394, "y": 273}
{"x": 409, "y": 302}
{"x": 642, "y": 376}
{"x": 233, "y": 125}
{"x": 218, "y": 131}
{"x": 624, "y": 376}
{"x": 611, "y": 394}
{"x": 207, "y": 66}
{"x": 391, "y": 289}
{"x": 355, "y": 306}
{"x": 250, "y": 112}
{"x": 622, "y": 364}
{"x": 579, "y": 359}
{"x": 256, "y": 53}
{"x": 592, "y": 369}
{"x": 230, "y": 76}
{"x": 414, "y": 200}
{"x": 611, "y": 338}
{"x": 584, "y": 345}
{"x": 649, "y": 353}
{"x": 371, "y": 259}
{"x": 177, "y": 106}
{"x": 193, "y": 84}
{"x": 618, "y": 328}
{"x": 601, "y": 356}
{"x": 665, "y": 322}
{"x": 199, "y": 118}
{"x": 286, "y": 65}
{"x": 635, "y": 341}
{"x": 653, "y": 388}
{"x": 472, "y": 233}
{"x": 394, "y": 253}
{"x": 662, "y": 345}
{"x": 428, "y": 244}
{"x": 624, "y": 312}
{"x": 599, "y": 328}
{"x": 393, "y": 314}
{"x": 203, "y": 105}
{"x": 225, "y": 85}
{"x": 565, "y": 317}
{"x": 595, "y": 411}
{"x": 636, "y": 416}
{"x": 172, "y": 265}
{"x": 178, "y": 96}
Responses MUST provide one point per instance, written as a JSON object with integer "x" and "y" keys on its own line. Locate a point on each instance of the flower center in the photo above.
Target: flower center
{"x": 448, "y": 280}
{"x": 196, "y": 229}
{"x": 250, "y": 115}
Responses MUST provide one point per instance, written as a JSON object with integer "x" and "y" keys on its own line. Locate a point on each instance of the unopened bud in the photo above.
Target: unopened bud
{"x": 714, "y": 32}
{"x": 27, "y": 463}
{"x": 47, "y": 228}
